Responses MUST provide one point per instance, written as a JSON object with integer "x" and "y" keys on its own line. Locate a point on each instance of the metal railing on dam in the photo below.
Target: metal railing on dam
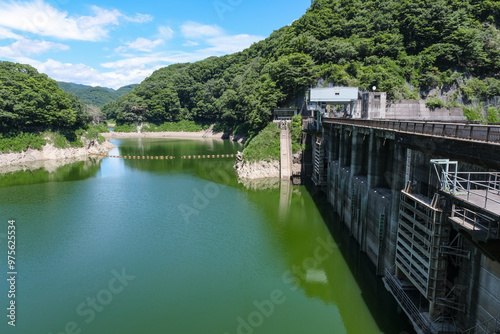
{"x": 477, "y": 132}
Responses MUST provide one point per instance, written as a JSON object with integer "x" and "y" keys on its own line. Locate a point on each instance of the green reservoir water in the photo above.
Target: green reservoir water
{"x": 110, "y": 246}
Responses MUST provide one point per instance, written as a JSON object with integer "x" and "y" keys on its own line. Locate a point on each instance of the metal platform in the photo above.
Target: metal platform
{"x": 486, "y": 199}
{"x": 475, "y": 199}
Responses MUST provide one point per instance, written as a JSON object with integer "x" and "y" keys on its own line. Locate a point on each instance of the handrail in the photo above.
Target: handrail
{"x": 492, "y": 229}
{"x": 489, "y": 185}
{"x": 483, "y": 133}
{"x": 405, "y": 302}
{"x": 484, "y": 327}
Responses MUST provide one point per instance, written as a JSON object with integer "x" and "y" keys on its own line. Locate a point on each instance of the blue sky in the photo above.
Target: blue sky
{"x": 113, "y": 43}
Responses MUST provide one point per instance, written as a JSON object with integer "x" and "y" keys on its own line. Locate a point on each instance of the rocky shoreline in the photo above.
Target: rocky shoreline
{"x": 256, "y": 170}
{"x": 176, "y": 135}
{"x": 264, "y": 169}
{"x": 49, "y": 152}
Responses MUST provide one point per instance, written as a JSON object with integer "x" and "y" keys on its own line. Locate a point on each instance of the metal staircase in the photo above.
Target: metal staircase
{"x": 319, "y": 176}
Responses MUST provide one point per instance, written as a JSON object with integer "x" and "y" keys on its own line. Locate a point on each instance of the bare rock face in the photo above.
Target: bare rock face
{"x": 264, "y": 169}
{"x": 256, "y": 170}
{"x": 49, "y": 152}
{"x": 297, "y": 163}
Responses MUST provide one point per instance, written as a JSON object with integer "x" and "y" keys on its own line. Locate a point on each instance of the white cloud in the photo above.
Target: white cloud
{"x": 195, "y": 30}
{"x": 231, "y": 44}
{"x": 165, "y": 32}
{"x": 190, "y": 43}
{"x": 83, "y": 74}
{"x": 215, "y": 39}
{"x": 140, "y": 18}
{"x": 7, "y": 34}
{"x": 144, "y": 44}
{"x": 41, "y": 18}
{"x": 27, "y": 47}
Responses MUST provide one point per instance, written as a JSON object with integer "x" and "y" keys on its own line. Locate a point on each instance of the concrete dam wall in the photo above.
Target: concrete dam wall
{"x": 432, "y": 232}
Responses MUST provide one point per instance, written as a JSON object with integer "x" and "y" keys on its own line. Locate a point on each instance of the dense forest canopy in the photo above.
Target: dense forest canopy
{"x": 97, "y": 96}
{"x": 30, "y": 101}
{"x": 403, "y": 47}
{"x": 34, "y": 111}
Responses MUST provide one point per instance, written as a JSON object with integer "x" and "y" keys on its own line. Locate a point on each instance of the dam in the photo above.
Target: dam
{"x": 422, "y": 199}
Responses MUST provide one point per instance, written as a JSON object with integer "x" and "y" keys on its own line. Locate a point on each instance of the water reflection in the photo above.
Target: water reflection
{"x": 317, "y": 263}
{"x": 285, "y": 199}
{"x": 383, "y": 307}
{"x": 74, "y": 169}
{"x": 213, "y": 169}
{"x": 260, "y": 184}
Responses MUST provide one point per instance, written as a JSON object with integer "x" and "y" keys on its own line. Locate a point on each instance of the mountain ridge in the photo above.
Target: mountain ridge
{"x": 95, "y": 95}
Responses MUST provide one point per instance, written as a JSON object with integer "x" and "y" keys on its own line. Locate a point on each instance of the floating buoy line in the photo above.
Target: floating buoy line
{"x": 168, "y": 157}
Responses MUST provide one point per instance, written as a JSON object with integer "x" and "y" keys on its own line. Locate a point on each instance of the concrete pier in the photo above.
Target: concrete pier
{"x": 285, "y": 150}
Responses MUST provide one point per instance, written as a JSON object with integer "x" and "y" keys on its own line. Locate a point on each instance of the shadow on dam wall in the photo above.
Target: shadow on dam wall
{"x": 384, "y": 308}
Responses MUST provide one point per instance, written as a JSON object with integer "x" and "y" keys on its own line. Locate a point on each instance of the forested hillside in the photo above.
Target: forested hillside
{"x": 97, "y": 96}
{"x": 33, "y": 108}
{"x": 404, "y": 47}
{"x": 32, "y": 101}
